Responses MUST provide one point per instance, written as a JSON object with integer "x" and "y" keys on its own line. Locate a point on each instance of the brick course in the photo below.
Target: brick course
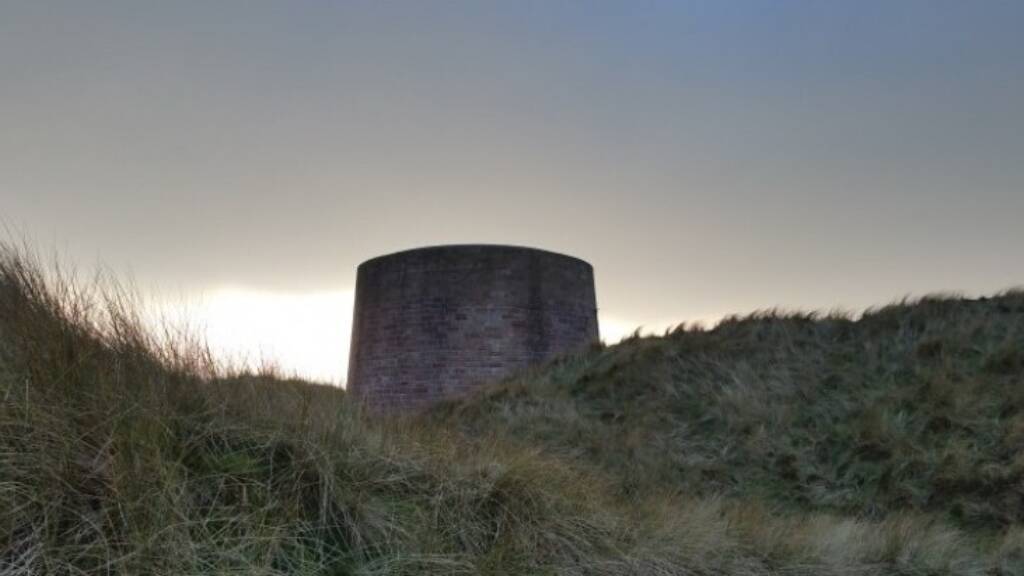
{"x": 436, "y": 322}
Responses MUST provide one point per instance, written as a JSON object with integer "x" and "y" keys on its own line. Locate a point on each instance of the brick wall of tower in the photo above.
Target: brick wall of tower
{"x": 436, "y": 322}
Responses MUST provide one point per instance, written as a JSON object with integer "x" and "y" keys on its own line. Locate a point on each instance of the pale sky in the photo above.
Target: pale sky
{"x": 706, "y": 157}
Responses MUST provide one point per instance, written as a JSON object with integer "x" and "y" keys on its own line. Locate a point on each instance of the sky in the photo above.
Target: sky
{"x": 239, "y": 159}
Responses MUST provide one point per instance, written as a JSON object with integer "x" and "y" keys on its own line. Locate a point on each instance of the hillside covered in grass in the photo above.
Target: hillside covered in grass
{"x": 770, "y": 445}
{"x": 917, "y": 406}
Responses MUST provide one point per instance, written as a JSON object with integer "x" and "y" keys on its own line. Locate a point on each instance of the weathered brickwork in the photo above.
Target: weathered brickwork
{"x": 435, "y": 322}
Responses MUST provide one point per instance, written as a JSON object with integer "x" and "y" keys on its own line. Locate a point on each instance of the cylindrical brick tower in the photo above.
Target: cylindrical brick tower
{"x": 435, "y": 322}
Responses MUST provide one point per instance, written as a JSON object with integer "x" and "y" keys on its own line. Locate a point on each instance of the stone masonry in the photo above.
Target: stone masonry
{"x": 436, "y": 322}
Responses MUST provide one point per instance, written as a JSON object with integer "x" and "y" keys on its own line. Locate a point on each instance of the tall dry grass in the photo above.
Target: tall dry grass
{"x": 128, "y": 452}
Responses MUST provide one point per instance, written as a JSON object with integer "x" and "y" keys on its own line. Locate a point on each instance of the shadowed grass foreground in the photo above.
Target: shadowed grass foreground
{"x": 771, "y": 445}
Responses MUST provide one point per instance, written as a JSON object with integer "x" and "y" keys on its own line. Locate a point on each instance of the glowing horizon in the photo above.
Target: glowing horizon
{"x": 301, "y": 334}
{"x": 306, "y": 334}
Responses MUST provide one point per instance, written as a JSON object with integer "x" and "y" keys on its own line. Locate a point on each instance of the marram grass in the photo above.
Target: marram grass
{"x": 915, "y": 407}
{"x": 776, "y": 444}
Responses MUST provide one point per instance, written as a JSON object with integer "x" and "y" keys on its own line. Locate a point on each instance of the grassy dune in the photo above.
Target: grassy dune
{"x": 917, "y": 406}
{"x": 778, "y": 444}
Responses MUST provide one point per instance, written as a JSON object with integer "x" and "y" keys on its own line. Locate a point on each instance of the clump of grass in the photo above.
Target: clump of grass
{"x": 128, "y": 452}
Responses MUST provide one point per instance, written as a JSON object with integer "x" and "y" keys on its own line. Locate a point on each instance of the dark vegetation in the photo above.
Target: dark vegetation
{"x": 918, "y": 406}
{"x": 773, "y": 444}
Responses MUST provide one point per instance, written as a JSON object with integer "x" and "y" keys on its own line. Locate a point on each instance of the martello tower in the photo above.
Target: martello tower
{"x": 435, "y": 322}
